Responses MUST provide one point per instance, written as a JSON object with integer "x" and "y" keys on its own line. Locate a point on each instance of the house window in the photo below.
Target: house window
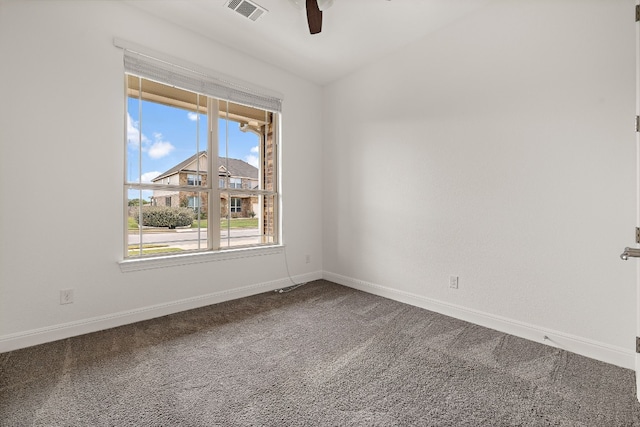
{"x": 193, "y": 202}
{"x": 182, "y": 132}
{"x": 235, "y": 183}
{"x": 194, "y": 179}
{"x": 236, "y": 205}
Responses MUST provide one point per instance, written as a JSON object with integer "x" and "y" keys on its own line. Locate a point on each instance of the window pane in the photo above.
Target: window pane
{"x": 270, "y": 156}
{"x": 268, "y": 221}
{"x": 239, "y": 146}
{"x": 166, "y": 129}
{"x": 239, "y": 225}
{"x": 167, "y": 140}
{"x": 133, "y": 139}
{"x": 165, "y": 229}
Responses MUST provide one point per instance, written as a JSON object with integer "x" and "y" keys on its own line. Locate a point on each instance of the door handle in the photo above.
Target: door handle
{"x": 630, "y": 252}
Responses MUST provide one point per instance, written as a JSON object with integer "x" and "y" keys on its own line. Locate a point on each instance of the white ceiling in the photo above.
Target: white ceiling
{"x": 354, "y": 32}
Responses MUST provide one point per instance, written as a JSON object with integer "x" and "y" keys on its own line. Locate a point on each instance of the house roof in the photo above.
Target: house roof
{"x": 237, "y": 168}
{"x": 234, "y": 167}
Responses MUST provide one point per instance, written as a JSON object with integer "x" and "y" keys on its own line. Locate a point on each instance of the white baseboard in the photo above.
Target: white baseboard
{"x": 596, "y": 350}
{"x": 66, "y": 330}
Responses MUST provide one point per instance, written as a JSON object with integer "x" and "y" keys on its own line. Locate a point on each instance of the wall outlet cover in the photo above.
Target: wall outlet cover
{"x": 453, "y": 282}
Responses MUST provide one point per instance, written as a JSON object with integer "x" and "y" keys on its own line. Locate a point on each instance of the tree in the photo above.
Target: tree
{"x": 136, "y": 202}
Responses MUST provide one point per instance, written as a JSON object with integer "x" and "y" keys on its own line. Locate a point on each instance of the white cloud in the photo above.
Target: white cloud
{"x": 159, "y": 148}
{"x": 148, "y": 176}
{"x": 156, "y": 149}
{"x": 133, "y": 132}
{"x": 252, "y": 160}
{"x": 192, "y": 116}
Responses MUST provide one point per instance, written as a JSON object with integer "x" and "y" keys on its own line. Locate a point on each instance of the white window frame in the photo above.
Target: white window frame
{"x": 195, "y": 178}
{"x": 235, "y": 209}
{"x": 235, "y": 183}
{"x": 194, "y": 202}
{"x": 220, "y": 87}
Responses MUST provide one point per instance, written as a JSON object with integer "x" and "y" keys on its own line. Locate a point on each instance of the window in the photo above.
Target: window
{"x": 236, "y": 205}
{"x": 194, "y": 179}
{"x": 177, "y": 134}
{"x": 235, "y": 183}
{"x": 193, "y": 202}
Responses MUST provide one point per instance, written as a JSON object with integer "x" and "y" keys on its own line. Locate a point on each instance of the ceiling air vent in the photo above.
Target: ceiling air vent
{"x": 247, "y": 8}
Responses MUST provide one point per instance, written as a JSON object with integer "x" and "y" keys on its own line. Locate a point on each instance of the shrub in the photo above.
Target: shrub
{"x": 203, "y": 213}
{"x": 163, "y": 216}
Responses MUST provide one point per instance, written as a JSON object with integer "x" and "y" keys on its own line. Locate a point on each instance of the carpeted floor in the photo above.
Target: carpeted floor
{"x": 321, "y": 355}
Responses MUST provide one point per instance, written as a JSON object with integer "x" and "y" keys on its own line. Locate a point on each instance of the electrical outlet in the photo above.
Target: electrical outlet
{"x": 308, "y": 259}
{"x": 66, "y": 296}
{"x": 453, "y": 282}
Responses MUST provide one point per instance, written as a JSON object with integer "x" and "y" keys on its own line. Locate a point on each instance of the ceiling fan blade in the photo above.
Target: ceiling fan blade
{"x": 314, "y": 16}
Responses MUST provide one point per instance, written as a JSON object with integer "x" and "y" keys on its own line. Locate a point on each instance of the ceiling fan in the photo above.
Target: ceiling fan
{"x": 314, "y": 12}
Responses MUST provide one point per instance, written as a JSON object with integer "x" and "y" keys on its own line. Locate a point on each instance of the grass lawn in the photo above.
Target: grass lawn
{"x": 240, "y": 223}
{"x": 203, "y": 224}
{"x": 151, "y": 249}
{"x": 133, "y": 225}
{"x": 235, "y": 223}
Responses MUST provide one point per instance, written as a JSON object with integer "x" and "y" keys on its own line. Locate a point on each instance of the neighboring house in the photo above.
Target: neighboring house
{"x": 232, "y": 174}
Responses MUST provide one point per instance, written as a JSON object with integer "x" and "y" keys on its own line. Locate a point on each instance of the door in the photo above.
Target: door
{"x": 638, "y": 193}
{"x": 635, "y": 252}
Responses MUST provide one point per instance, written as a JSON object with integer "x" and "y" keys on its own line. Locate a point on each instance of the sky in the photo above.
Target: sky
{"x": 170, "y": 135}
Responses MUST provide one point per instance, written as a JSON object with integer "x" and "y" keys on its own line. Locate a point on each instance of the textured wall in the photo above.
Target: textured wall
{"x": 501, "y": 150}
{"x": 64, "y": 79}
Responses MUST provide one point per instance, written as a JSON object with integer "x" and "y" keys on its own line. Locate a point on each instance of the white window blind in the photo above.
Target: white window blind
{"x": 196, "y": 81}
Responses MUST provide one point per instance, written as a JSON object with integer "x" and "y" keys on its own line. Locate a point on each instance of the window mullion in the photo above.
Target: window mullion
{"x": 213, "y": 221}
{"x": 126, "y": 178}
{"x": 140, "y": 217}
{"x": 197, "y": 177}
{"x": 275, "y": 176}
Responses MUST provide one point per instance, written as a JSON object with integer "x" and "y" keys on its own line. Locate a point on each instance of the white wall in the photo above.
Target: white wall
{"x": 501, "y": 150}
{"x": 62, "y": 105}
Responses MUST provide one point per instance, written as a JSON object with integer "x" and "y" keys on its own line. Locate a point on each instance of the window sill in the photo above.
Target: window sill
{"x": 140, "y": 264}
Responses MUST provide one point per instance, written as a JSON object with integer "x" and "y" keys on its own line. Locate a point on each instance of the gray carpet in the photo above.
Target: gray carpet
{"x": 321, "y": 355}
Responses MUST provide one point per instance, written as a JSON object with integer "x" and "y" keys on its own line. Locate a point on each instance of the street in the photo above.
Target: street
{"x": 188, "y": 238}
